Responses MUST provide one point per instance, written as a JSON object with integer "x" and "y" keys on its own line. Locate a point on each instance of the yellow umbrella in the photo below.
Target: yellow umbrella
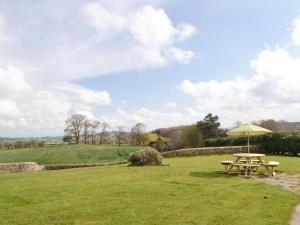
{"x": 248, "y": 130}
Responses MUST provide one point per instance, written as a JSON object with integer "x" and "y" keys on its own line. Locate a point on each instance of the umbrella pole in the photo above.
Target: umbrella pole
{"x": 248, "y": 144}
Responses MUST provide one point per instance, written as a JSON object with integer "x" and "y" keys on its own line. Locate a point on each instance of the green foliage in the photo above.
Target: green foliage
{"x": 210, "y": 126}
{"x": 161, "y": 144}
{"x": 190, "y": 191}
{"x": 191, "y": 137}
{"x": 146, "y": 156}
{"x": 273, "y": 143}
{"x": 67, "y": 138}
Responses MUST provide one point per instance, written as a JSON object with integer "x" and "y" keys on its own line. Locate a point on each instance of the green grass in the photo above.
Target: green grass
{"x": 67, "y": 154}
{"x": 190, "y": 191}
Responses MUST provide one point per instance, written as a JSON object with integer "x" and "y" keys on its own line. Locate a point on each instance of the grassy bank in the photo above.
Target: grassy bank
{"x": 67, "y": 154}
{"x": 187, "y": 192}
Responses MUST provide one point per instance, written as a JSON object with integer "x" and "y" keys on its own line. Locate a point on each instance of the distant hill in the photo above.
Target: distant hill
{"x": 47, "y": 140}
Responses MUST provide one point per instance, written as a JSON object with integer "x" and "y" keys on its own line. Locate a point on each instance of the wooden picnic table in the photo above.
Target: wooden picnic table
{"x": 249, "y": 161}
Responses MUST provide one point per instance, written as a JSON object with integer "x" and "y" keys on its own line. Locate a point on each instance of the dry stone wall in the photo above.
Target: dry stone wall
{"x": 18, "y": 167}
{"x": 208, "y": 151}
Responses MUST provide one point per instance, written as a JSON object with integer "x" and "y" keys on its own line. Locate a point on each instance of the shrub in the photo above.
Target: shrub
{"x": 146, "y": 156}
{"x": 273, "y": 143}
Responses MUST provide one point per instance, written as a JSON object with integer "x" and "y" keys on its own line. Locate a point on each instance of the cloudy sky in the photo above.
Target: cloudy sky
{"x": 160, "y": 62}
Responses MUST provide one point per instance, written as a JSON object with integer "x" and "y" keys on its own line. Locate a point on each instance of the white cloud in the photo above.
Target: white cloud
{"x": 150, "y": 33}
{"x": 153, "y": 119}
{"x": 90, "y": 39}
{"x": 104, "y": 20}
{"x": 150, "y": 27}
{"x": 296, "y": 31}
{"x": 171, "y": 105}
{"x": 42, "y": 110}
{"x": 271, "y": 92}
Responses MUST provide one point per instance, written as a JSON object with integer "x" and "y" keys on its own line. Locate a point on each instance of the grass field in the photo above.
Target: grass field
{"x": 190, "y": 191}
{"x": 67, "y": 154}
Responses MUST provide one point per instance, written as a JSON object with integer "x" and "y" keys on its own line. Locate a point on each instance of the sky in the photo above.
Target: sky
{"x": 160, "y": 62}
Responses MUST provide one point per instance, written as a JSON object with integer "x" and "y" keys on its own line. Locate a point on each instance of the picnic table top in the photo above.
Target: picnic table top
{"x": 248, "y": 155}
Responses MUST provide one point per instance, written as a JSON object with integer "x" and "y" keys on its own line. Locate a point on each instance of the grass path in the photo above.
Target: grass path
{"x": 187, "y": 192}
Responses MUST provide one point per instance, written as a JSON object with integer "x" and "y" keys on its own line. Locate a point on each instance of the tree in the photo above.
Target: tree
{"x": 74, "y": 126}
{"x": 120, "y": 133}
{"x": 137, "y": 133}
{"x": 67, "y": 138}
{"x": 191, "y": 137}
{"x": 87, "y": 125}
{"x": 209, "y": 126}
{"x": 269, "y": 124}
{"x": 103, "y": 133}
{"x": 94, "y": 128}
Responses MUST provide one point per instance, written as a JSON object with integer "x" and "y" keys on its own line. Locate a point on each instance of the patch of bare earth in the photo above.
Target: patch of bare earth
{"x": 290, "y": 182}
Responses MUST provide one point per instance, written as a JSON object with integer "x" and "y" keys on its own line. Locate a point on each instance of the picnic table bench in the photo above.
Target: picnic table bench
{"x": 249, "y": 163}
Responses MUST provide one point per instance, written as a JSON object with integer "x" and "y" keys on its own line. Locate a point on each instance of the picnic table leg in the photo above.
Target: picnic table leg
{"x": 251, "y": 171}
{"x": 226, "y": 168}
{"x": 239, "y": 171}
{"x": 273, "y": 171}
{"x": 264, "y": 164}
{"x": 232, "y": 165}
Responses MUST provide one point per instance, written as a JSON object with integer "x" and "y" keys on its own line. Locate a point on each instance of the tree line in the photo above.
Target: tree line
{"x": 22, "y": 144}
{"x": 80, "y": 129}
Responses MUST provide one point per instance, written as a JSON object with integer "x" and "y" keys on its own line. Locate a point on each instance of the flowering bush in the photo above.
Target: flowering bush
{"x": 146, "y": 156}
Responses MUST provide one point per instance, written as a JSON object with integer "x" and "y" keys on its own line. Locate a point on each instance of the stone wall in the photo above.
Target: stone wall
{"x": 208, "y": 151}
{"x": 79, "y": 165}
{"x": 18, "y": 167}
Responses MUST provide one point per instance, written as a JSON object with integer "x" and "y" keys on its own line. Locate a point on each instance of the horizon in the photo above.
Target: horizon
{"x": 146, "y": 61}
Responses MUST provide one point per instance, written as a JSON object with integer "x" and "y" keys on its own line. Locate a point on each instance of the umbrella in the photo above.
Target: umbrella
{"x": 248, "y": 130}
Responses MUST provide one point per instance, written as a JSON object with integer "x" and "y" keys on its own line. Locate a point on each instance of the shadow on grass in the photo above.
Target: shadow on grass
{"x": 212, "y": 174}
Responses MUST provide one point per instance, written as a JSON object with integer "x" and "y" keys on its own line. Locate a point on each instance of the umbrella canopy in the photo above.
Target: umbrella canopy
{"x": 248, "y": 130}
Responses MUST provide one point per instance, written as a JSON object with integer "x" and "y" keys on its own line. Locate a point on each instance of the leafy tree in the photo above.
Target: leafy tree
{"x": 191, "y": 137}
{"x": 209, "y": 126}
{"x": 74, "y": 126}
{"x": 67, "y": 138}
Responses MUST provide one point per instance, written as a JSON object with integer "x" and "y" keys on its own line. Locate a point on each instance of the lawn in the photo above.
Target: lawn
{"x": 188, "y": 191}
{"x": 67, "y": 154}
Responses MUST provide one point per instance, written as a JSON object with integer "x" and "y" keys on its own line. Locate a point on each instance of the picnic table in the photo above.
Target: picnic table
{"x": 250, "y": 163}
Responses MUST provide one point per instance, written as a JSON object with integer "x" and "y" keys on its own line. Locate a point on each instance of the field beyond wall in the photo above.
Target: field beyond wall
{"x": 60, "y": 154}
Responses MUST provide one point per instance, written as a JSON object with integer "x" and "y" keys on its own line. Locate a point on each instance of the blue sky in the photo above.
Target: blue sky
{"x": 160, "y": 62}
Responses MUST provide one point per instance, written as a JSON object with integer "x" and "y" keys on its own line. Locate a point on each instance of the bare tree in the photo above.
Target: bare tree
{"x": 269, "y": 124}
{"x": 94, "y": 129}
{"x": 87, "y": 125}
{"x": 74, "y": 126}
{"x": 138, "y": 132}
{"x": 120, "y": 133}
{"x": 103, "y": 133}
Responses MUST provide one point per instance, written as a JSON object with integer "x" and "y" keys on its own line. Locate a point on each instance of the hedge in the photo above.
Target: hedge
{"x": 273, "y": 143}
